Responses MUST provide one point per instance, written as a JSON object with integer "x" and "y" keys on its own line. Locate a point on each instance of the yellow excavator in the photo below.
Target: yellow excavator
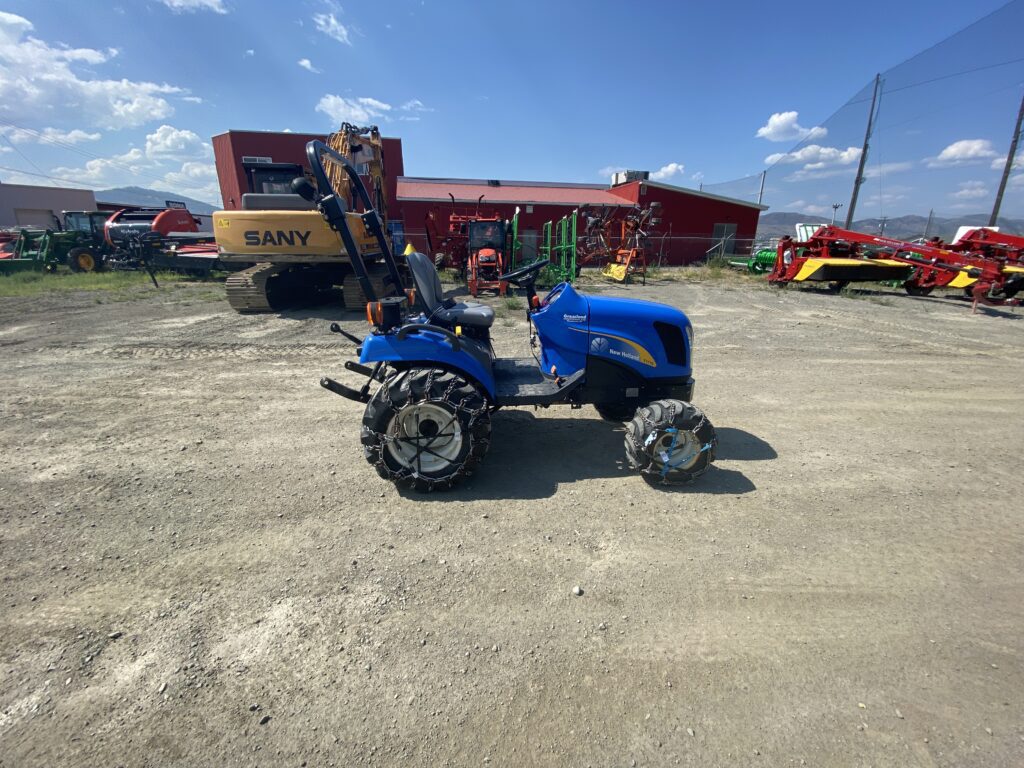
{"x": 296, "y": 255}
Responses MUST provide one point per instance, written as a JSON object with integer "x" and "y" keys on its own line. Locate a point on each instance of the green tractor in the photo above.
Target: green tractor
{"x": 86, "y": 241}
{"x": 80, "y": 244}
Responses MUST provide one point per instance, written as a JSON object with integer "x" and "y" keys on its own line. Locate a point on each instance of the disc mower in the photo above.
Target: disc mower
{"x": 841, "y": 255}
{"x": 433, "y": 380}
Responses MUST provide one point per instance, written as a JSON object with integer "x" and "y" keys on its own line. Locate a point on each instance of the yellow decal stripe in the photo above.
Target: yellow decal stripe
{"x": 645, "y": 357}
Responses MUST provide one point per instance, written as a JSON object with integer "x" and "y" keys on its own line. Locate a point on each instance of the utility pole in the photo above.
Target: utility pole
{"x": 863, "y": 153}
{"x": 1010, "y": 156}
{"x": 881, "y": 224}
{"x": 760, "y": 193}
{"x": 835, "y": 209}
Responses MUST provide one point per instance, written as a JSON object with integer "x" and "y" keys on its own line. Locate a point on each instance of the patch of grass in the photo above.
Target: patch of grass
{"x": 713, "y": 271}
{"x": 514, "y": 303}
{"x": 449, "y": 276}
{"x": 42, "y": 283}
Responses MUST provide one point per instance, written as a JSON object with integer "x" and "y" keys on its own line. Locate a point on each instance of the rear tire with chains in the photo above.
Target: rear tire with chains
{"x": 426, "y": 428}
{"x": 673, "y": 429}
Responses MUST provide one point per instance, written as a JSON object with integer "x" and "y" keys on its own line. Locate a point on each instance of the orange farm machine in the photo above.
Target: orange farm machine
{"x": 837, "y": 257}
{"x": 479, "y": 247}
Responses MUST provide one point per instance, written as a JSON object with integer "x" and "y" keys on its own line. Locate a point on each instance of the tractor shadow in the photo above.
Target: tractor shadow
{"x": 531, "y": 456}
{"x": 739, "y": 445}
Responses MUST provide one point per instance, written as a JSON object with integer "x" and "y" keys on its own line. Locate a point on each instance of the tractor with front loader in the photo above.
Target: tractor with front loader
{"x": 433, "y": 379}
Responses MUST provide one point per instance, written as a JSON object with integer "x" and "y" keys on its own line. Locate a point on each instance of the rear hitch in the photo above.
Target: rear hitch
{"x": 340, "y": 389}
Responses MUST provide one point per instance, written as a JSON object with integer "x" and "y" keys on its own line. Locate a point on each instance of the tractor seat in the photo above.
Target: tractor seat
{"x": 428, "y": 288}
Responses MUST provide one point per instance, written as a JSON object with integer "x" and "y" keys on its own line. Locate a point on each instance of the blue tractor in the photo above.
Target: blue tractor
{"x": 427, "y": 425}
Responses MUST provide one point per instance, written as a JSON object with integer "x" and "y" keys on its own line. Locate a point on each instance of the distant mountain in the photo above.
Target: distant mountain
{"x": 151, "y": 198}
{"x": 897, "y": 227}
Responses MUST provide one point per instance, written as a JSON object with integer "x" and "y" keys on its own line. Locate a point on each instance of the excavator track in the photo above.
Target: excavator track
{"x": 247, "y": 290}
{"x": 354, "y": 296}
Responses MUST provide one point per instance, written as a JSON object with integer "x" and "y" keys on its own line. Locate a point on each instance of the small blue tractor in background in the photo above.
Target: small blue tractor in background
{"x": 428, "y": 424}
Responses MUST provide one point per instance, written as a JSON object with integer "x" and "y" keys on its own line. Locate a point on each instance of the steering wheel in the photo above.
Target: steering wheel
{"x": 526, "y": 274}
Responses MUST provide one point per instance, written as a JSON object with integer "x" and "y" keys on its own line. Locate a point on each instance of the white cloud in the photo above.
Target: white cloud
{"x": 103, "y": 171}
{"x": 999, "y": 163}
{"x": 191, "y": 6}
{"x": 195, "y": 179}
{"x": 814, "y": 172}
{"x": 666, "y": 172}
{"x": 249, "y": 52}
{"x": 170, "y": 143}
{"x": 802, "y": 206}
{"x": 374, "y": 105}
{"x": 885, "y": 198}
{"x": 415, "y": 105}
{"x": 330, "y": 26}
{"x": 963, "y": 151}
{"x": 361, "y": 110}
{"x": 308, "y": 65}
{"x": 37, "y": 83}
{"x": 783, "y": 126}
{"x": 698, "y": 176}
{"x": 410, "y": 118}
{"x": 192, "y": 99}
{"x": 971, "y": 190}
{"x": 48, "y": 135}
{"x": 815, "y": 157}
{"x": 884, "y": 169}
{"x": 609, "y": 170}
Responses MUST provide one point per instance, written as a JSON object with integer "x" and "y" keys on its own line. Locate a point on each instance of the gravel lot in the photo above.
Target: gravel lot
{"x": 199, "y": 568}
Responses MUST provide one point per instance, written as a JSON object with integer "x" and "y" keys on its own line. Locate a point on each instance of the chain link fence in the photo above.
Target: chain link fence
{"x": 941, "y": 127}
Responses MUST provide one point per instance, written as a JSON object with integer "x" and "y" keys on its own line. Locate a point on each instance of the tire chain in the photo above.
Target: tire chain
{"x": 645, "y": 418}
{"x": 383, "y": 438}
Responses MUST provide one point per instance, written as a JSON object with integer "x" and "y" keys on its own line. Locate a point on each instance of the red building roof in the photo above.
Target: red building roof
{"x": 533, "y": 192}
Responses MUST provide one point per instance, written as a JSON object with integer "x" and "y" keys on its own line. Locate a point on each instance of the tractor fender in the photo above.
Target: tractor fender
{"x": 428, "y": 348}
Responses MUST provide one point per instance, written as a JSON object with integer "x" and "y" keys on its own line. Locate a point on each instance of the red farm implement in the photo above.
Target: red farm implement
{"x": 839, "y": 256}
{"x": 991, "y": 244}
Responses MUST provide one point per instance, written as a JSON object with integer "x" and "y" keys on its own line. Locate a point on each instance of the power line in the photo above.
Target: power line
{"x": 43, "y": 175}
{"x": 72, "y": 148}
{"x": 23, "y": 155}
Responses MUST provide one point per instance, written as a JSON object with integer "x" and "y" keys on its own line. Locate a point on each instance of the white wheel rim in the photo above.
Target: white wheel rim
{"x": 425, "y": 438}
{"x": 685, "y": 453}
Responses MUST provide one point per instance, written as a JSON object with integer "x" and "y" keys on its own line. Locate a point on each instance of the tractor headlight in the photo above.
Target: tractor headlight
{"x": 689, "y": 343}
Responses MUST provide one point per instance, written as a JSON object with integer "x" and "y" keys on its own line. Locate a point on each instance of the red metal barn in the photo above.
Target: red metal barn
{"x": 692, "y": 222}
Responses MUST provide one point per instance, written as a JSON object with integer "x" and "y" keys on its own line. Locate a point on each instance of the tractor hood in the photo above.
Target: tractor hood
{"x": 651, "y": 337}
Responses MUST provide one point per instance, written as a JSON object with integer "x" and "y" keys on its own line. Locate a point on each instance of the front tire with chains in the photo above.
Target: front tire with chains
{"x": 670, "y": 442}
{"x": 426, "y": 428}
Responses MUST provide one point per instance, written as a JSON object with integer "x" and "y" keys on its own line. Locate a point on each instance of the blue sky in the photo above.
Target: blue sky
{"x": 131, "y": 92}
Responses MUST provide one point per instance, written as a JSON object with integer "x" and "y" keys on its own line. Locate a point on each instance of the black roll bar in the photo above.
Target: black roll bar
{"x": 333, "y": 209}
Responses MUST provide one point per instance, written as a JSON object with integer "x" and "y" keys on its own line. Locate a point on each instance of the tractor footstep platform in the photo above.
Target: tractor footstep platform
{"x": 518, "y": 381}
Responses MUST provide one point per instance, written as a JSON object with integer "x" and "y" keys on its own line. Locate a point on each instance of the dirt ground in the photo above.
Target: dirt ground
{"x": 199, "y": 568}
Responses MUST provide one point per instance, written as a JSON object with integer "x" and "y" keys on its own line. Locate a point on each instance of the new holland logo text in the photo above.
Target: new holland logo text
{"x": 280, "y": 237}
{"x": 575, "y": 318}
